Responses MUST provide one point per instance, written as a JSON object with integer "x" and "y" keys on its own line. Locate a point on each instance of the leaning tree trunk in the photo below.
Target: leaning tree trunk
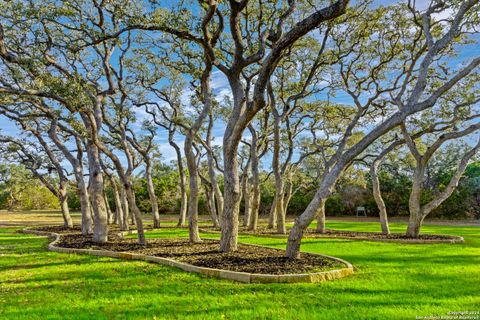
{"x": 151, "y": 194}
{"x": 377, "y": 195}
{"x": 321, "y": 218}
{"x": 63, "y": 197}
{"x": 133, "y": 221}
{"x": 288, "y": 195}
{"x": 304, "y": 220}
{"x": 126, "y": 180}
{"x": 194, "y": 234}
{"x": 137, "y": 215}
{"x": 67, "y": 219}
{"x": 76, "y": 162}
{"x": 100, "y": 228}
{"x": 60, "y": 193}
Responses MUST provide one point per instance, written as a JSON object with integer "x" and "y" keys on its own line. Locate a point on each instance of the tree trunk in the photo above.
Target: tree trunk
{"x": 321, "y": 218}
{"x": 67, "y": 219}
{"x": 301, "y": 223}
{"x": 133, "y": 221}
{"x": 272, "y": 215}
{"x": 231, "y": 208}
{"x": 255, "y": 186}
{"x": 414, "y": 224}
{"x": 304, "y": 220}
{"x": 183, "y": 183}
{"x": 281, "y": 227}
{"x": 217, "y": 193}
{"x": 76, "y": 162}
{"x": 345, "y": 158}
{"x": 210, "y": 200}
{"x": 100, "y": 228}
{"x": 183, "y": 208}
{"x": 118, "y": 205}
{"x": 279, "y": 187}
{"x": 288, "y": 195}
{"x": 377, "y": 195}
{"x": 11, "y": 203}
{"x": 125, "y": 209}
{"x": 247, "y": 199}
{"x": 414, "y": 201}
{"x": 231, "y": 141}
{"x": 151, "y": 194}
{"x": 109, "y": 210}
{"x": 194, "y": 234}
{"x": 419, "y": 212}
{"x": 63, "y": 197}
{"x": 279, "y": 195}
{"x": 115, "y": 216}
{"x": 253, "y": 223}
{"x": 126, "y": 179}
{"x": 136, "y": 214}
{"x": 85, "y": 207}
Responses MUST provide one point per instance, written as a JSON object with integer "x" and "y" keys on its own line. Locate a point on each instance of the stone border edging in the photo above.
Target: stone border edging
{"x": 454, "y": 239}
{"x": 218, "y": 273}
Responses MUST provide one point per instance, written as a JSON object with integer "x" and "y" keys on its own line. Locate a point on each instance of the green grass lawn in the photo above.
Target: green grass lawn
{"x": 392, "y": 281}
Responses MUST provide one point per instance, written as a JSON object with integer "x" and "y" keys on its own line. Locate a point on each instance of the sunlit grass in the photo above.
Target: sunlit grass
{"x": 392, "y": 281}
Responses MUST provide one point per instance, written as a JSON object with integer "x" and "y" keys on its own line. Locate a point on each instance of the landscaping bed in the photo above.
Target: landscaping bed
{"x": 329, "y": 233}
{"x": 248, "y": 258}
{"x": 112, "y": 229}
{"x": 377, "y": 235}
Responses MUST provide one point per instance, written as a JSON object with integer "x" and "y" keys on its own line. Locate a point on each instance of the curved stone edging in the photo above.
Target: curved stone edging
{"x": 218, "y": 273}
{"x": 454, "y": 239}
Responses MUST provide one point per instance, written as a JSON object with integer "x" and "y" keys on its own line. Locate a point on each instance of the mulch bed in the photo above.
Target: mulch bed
{"x": 375, "y": 235}
{"x": 58, "y": 229}
{"x": 312, "y": 233}
{"x": 113, "y": 228}
{"x": 251, "y": 259}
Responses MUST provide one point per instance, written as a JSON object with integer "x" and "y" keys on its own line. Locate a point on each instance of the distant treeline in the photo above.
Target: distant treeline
{"x": 19, "y": 191}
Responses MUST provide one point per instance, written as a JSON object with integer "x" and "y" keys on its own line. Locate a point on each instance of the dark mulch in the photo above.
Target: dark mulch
{"x": 76, "y": 229}
{"x": 312, "y": 233}
{"x": 247, "y": 258}
{"x": 57, "y": 229}
{"x": 375, "y": 235}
